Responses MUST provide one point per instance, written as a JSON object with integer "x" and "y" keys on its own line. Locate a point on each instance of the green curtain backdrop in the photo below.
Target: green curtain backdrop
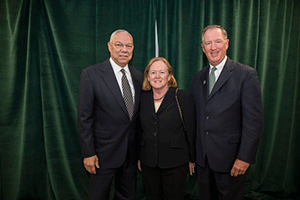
{"x": 44, "y": 45}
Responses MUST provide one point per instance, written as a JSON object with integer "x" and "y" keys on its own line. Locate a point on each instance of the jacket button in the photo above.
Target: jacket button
{"x": 155, "y": 122}
{"x": 207, "y": 117}
{"x": 154, "y": 145}
{"x": 155, "y": 134}
{"x": 207, "y": 133}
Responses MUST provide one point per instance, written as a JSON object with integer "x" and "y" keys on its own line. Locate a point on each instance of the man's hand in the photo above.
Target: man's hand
{"x": 239, "y": 167}
{"x": 90, "y": 163}
{"x": 192, "y": 168}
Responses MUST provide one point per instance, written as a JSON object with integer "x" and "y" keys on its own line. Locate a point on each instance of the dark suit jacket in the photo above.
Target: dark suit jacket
{"x": 229, "y": 121}
{"x": 163, "y": 141}
{"x": 103, "y": 121}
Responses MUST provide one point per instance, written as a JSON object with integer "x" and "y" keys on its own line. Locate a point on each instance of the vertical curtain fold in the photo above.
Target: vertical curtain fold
{"x": 21, "y": 124}
{"x": 279, "y": 73}
{"x": 179, "y": 31}
{"x": 59, "y": 107}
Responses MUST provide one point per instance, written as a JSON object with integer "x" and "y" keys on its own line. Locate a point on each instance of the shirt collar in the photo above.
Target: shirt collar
{"x": 117, "y": 68}
{"x": 219, "y": 66}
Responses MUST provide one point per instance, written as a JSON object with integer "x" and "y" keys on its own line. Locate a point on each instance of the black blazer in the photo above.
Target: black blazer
{"x": 163, "y": 140}
{"x": 103, "y": 122}
{"x": 229, "y": 120}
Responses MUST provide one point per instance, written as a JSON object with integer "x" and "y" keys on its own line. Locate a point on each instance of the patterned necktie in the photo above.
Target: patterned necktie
{"x": 212, "y": 79}
{"x": 127, "y": 94}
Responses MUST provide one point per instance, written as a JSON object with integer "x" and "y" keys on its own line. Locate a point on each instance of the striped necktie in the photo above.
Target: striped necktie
{"x": 127, "y": 94}
{"x": 212, "y": 79}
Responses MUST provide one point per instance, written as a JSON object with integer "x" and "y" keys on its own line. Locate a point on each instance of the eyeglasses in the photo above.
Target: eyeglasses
{"x": 161, "y": 73}
{"x": 120, "y": 46}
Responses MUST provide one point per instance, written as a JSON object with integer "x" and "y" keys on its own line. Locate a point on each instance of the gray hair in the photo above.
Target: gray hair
{"x": 212, "y": 27}
{"x": 119, "y": 31}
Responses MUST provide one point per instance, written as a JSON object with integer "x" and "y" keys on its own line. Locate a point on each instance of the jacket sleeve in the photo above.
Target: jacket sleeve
{"x": 85, "y": 118}
{"x": 252, "y": 117}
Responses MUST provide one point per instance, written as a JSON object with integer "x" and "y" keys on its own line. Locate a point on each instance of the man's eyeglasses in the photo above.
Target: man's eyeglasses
{"x": 120, "y": 46}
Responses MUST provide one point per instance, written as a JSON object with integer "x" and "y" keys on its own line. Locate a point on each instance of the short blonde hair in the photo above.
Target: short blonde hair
{"x": 172, "y": 82}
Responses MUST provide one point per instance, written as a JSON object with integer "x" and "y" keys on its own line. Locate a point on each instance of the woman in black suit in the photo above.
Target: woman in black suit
{"x": 166, "y": 151}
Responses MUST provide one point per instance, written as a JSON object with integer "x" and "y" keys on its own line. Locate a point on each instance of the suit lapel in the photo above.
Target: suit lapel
{"x": 137, "y": 89}
{"x": 167, "y": 100}
{"x": 165, "y": 103}
{"x": 224, "y": 76}
{"x": 111, "y": 82}
{"x": 204, "y": 81}
{"x": 149, "y": 102}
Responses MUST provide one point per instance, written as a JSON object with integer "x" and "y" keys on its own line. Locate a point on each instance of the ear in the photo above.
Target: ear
{"x": 227, "y": 44}
{"x": 203, "y": 47}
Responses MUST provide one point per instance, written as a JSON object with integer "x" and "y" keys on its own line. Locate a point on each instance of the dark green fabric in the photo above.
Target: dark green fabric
{"x": 44, "y": 45}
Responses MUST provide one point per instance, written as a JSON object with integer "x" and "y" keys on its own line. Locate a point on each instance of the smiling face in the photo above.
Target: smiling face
{"x": 121, "y": 48}
{"x": 214, "y": 46}
{"x": 159, "y": 75}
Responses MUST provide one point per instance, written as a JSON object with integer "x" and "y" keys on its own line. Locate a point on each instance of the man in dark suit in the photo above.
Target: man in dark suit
{"x": 229, "y": 119}
{"x": 109, "y": 94}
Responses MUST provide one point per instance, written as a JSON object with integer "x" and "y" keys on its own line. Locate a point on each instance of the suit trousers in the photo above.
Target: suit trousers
{"x": 164, "y": 183}
{"x": 218, "y": 185}
{"x": 125, "y": 182}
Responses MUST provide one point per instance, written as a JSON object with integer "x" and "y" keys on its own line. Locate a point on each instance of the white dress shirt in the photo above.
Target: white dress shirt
{"x": 119, "y": 74}
{"x": 219, "y": 68}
